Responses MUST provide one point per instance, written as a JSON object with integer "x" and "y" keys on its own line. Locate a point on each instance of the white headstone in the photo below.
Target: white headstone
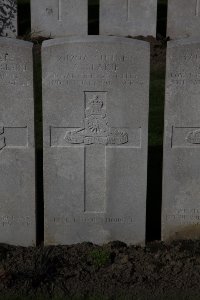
{"x": 17, "y": 154}
{"x": 128, "y": 17}
{"x": 95, "y": 93}
{"x": 59, "y": 18}
{"x": 183, "y": 18}
{"x": 181, "y": 180}
{"x": 8, "y": 18}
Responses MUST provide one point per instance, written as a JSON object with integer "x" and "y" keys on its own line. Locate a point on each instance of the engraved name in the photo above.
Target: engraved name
{"x": 102, "y": 70}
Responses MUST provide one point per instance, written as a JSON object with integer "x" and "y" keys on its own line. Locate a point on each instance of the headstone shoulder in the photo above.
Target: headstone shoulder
{"x": 15, "y": 42}
{"x": 95, "y": 38}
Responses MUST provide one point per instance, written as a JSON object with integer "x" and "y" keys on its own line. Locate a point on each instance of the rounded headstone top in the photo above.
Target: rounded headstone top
{"x": 184, "y": 41}
{"x": 95, "y": 39}
{"x": 15, "y": 42}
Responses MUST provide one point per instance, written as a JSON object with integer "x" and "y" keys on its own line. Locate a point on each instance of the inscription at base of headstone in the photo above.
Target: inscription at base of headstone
{"x": 59, "y": 18}
{"x": 181, "y": 181}
{"x": 183, "y": 18}
{"x": 128, "y": 17}
{"x": 95, "y": 93}
{"x": 17, "y": 154}
{"x": 8, "y": 18}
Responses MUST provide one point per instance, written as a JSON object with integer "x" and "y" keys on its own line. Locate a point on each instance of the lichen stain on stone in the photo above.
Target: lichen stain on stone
{"x": 183, "y": 232}
{"x": 49, "y": 240}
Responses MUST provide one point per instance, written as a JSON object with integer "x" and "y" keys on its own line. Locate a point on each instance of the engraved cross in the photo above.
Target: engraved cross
{"x": 94, "y": 139}
{"x": 59, "y": 10}
{"x": 197, "y": 8}
{"x": 128, "y": 9}
{"x": 13, "y": 137}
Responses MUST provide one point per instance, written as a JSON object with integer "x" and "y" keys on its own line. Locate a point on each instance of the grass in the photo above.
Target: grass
{"x": 100, "y": 257}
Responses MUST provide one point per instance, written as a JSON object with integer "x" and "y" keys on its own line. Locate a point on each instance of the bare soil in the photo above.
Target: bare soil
{"x": 112, "y": 271}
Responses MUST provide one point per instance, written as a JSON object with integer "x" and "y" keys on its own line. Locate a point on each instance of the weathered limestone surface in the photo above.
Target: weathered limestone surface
{"x": 181, "y": 180}
{"x": 8, "y": 18}
{"x": 183, "y": 18}
{"x": 17, "y": 155}
{"x": 95, "y": 96}
{"x": 128, "y": 17}
{"x": 59, "y": 18}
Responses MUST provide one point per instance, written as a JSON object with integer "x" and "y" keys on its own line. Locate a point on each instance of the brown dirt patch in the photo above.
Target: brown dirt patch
{"x": 112, "y": 271}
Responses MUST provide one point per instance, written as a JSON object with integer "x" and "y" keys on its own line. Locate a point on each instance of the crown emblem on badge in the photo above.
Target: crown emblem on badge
{"x": 96, "y": 105}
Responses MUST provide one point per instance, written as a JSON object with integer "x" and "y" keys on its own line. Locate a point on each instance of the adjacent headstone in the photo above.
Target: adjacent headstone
{"x": 183, "y": 18}
{"x": 59, "y": 18}
{"x": 8, "y": 18}
{"x": 181, "y": 180}
{"x": 17, "y": 155}
{"x": 95, "y": 93}
{"x": 128, "y": 17}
